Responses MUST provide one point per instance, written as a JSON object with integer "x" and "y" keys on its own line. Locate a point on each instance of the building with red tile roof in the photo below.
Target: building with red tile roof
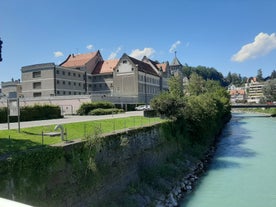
{"x": 86, "y": 62}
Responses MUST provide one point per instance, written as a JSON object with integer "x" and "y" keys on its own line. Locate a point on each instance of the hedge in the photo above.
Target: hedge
{"x": 105, "y": 111}
{"x": 85, "y": 108}
{"x": 31, "y": 113}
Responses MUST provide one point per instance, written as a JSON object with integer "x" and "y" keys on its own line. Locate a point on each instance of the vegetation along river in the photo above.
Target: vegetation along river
{"x": 243, "y": 171}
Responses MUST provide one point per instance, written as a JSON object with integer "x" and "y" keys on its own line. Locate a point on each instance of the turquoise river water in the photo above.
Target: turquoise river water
{"x": 243, "y": 171}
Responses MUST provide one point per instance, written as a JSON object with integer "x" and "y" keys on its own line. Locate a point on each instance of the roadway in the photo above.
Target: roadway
{"x": 69, "y": 119}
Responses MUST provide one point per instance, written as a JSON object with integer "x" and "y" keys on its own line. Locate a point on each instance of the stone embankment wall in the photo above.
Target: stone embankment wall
{"x": 84, "y": 174}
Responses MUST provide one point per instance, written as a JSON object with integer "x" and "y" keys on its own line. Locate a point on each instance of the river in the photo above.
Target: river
{"x": 243, "y": 171}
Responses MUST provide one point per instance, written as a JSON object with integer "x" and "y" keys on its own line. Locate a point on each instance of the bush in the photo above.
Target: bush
{"x": 30, "y": 113}
{"x": 85, "y": 108}
{"x": 100, "y": 111}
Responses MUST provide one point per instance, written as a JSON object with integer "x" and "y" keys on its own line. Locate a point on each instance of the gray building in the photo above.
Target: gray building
{"x": 11, "y": 89}
{"x": 135, "y": 78}
{"x": 49, "y": 79}
{"x": 89, "y": 74}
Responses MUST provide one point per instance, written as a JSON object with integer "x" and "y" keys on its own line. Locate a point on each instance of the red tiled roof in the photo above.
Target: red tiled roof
{"x": 105, "y": 66}
{"x": 163, "y": 66}
{"x": 235, "y": 92}
{"x": 78, "y": 60}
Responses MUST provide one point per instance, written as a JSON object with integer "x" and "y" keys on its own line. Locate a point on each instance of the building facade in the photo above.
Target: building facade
{"x": 89, "y": 74}
{"x": 11, "y": 89}
{"x": 135, "y": 78}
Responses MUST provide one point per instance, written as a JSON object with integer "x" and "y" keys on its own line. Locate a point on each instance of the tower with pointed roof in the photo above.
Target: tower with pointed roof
{"x": 176, "y": 66}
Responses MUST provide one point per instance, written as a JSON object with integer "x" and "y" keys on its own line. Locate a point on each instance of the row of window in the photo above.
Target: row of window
{"x": 148, "y": 89}
{"x": 99, "y": 85}
{"x": 148, "y": 79}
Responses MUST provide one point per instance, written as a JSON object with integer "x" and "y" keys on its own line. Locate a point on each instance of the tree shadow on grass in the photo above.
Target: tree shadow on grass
{"x": 8, "y": 146}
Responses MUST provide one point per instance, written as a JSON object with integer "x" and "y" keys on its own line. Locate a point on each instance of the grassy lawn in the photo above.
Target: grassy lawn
{"x": 12, "y": 141}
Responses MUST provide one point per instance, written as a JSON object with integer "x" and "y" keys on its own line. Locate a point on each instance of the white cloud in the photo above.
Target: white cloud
{"x": 89, "y": 47}
{"x": 139, "y": 54}
{"x": 174, "y": 46}
{"x": 262, "y": 45}
{"x": 114, "y": 54}
{"x": 58, "y": 54}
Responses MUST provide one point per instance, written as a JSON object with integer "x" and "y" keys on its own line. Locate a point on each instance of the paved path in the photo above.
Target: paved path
{"x": 69, "y": 119}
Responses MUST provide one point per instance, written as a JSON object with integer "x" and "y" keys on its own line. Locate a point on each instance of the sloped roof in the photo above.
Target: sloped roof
{"x": 175, "y": 62}
{"x": 163, "y": 66}
{"x": 78, "y": 60}
{"x": 143, "y": 67}
{"x": 105, "y": 66}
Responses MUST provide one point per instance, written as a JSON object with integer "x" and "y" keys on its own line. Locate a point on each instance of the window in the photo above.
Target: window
{"x": 63, "y": 82}
{"x": 57, "y": 81}
{"x": 79, "y": 84}
{"x": 37, "y": 94}
{"x": 74, "y": 83}
{"x": 63, "y": 73}
{"x": 124, "y": 62}
{"x": 69, "y": 92}
{"x": 63, "y": 92}
{"x": 74, "y": 74}
{"x": 79, "y": 75}
{"x": 37, "y": 85}
{"x": 58, "y": 92}
{"x": 37, "y": 74}
{"x": 69, "y": 83}
{"x": 57, "y": 72}
{"x": 69, "y": 74}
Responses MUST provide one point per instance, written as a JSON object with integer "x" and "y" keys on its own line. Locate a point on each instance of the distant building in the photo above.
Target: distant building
{"x": 11, "y": 89}
{"x": 135, "y": 78}
{"x": 238, "y": 94}
{"x": 254, "y": 91}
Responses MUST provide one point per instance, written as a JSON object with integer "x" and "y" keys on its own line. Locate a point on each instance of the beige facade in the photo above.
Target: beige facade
{"x": 254, "y": 92}
{"x": 11, "y": 89}
{"x": 134, "y": 78}
{"x": 89, "y": 74}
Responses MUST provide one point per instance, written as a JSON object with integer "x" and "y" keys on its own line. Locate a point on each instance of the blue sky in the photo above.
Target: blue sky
{"x": 235, "y": 35}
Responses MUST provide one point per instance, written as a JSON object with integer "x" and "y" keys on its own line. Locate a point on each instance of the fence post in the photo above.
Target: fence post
{"x": 84, "y": 129}
{"x": 113, "y": 125}
{"x": 42, "y": 138}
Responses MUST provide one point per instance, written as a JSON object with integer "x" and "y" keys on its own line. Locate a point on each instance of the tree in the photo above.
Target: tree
{"x": 273, "y": 74}
{"x": 176, "y": 86}
{"x": 259, "y": 76}
{"x": 196, "y": 85}
{"x": 168, "y": 105}
{"x": 269, "y": 90}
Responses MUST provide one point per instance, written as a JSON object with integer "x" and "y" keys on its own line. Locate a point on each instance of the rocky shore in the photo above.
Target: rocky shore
{"x": 187, "y": 183}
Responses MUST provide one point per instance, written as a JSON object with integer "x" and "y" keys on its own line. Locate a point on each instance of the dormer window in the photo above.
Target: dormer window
{"x": 124, "y": 61}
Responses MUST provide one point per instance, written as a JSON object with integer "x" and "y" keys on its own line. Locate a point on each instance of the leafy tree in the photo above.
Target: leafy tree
{"x": 205, "y": 72}
{"x": 196, "y": 85}
{"x": 269, "y": 90}
{"x": 168, "y": 105}
{"x": 176, "y": 86}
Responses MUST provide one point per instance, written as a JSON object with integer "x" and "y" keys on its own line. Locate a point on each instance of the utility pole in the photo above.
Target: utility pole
{"x": 1, "y": 42}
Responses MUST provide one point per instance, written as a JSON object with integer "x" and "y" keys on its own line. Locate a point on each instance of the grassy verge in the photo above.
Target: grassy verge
{"x": 12, "y": 141}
